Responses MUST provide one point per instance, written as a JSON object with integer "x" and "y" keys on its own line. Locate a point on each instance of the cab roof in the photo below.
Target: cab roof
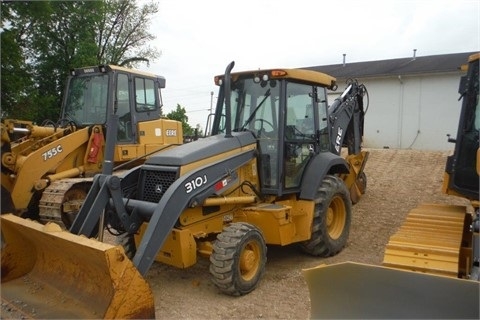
{"x": 302, "y": 75}
{"x": 111, "y": 67}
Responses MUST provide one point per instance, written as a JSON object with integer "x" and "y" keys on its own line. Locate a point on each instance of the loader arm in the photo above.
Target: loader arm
{"x": 176, "y": 199}
{"x": 162, "y": 216}
{"x": 32, "y": 170}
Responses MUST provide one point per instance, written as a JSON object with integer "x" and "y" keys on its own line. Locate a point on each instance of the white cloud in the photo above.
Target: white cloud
{"x": 199, "y": 38}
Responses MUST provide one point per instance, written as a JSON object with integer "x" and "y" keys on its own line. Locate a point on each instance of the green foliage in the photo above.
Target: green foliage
{"x": 180, "y": 114}
{"x": 45, "y": 39}
{"x": 16, "y": 80}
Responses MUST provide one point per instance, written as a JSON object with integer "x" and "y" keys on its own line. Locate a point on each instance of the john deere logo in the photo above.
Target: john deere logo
{"x": 158, "y": 188}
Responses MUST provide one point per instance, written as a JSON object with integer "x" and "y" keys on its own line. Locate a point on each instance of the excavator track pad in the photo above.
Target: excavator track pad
{"x": 50, "y": 273}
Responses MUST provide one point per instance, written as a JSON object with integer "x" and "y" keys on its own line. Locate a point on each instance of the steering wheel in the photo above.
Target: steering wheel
{"x": 64, "y": 122}
{"x": 262, "y": 127}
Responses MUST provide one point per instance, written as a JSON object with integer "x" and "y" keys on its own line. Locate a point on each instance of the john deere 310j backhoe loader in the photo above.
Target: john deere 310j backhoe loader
{"x": 47, "y": 170}
{"x": 431, "y": 266}
{"x": 272, "y": 173}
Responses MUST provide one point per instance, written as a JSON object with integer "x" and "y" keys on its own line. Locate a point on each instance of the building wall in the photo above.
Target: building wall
{"x": 410, "y": 112}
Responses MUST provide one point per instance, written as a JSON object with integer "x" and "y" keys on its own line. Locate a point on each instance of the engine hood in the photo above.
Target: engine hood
{"x": 201, "y": 149}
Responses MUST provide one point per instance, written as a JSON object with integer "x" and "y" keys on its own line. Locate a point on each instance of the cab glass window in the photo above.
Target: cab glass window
{"x": 144, "y": 94}
{"x": 123, "y": 109}
{"x": 87, "y": 99}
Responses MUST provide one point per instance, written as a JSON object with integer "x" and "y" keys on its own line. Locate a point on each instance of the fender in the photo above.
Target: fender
{"x": 321, "y": 165}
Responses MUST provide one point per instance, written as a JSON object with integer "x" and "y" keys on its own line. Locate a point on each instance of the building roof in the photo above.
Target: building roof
{"x": 443, "y": 63}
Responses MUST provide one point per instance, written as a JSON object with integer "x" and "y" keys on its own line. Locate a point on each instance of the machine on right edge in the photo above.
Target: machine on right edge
{"x": 444, "y": 239}
{"x": 431, "y": 264}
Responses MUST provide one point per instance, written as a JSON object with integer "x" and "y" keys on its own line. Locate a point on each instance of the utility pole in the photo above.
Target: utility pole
{"x": 209, "y": 117}
{"x": 211, "y": 101}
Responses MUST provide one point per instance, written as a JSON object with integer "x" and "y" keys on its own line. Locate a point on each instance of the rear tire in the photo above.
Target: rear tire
{"x": 331, "y": 219}
{"x": 238, "y": 260}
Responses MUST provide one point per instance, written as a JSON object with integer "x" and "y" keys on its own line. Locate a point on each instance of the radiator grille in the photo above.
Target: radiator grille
{"x": 155, "y": 183}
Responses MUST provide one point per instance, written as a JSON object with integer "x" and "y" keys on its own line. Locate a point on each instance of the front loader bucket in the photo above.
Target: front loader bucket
{"x": 49, "y": 273}
{"x": 360, "y": 291}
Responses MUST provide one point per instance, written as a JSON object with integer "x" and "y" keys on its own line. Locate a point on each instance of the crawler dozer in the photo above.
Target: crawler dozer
{"x": 272, "y": 173}
{"x": 431, "y": 264}
{"x": 47, "y": 170}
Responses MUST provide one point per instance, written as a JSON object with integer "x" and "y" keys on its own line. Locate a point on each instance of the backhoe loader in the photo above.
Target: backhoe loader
{"x": 272, "y": 173}
{"x": 47, "y": 170}
{"x": 431, "y": 265}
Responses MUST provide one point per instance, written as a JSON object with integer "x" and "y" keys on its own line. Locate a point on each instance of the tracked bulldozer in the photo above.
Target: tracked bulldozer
{"x": 47, "y": 169}
{"x": 431, "y": 265}
{"x": 272, "y": 173}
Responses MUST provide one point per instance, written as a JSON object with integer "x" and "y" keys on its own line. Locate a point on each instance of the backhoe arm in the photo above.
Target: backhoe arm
{"x": 346, "y": 118}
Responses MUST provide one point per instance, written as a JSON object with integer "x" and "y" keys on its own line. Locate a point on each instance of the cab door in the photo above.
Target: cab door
{"x": 462, "y": 165}
{"x": 304, "y": 122}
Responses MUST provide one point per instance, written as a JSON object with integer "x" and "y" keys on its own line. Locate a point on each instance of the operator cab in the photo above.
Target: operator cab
{"x": 286, "y": 111}
{"x": 90, "y": 100}
{"x": 463, "y": 166}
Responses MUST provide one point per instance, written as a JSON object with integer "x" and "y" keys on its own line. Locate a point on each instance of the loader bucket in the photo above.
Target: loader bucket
{"x": 351, "y": 290}
{"x": 49, "y": 273}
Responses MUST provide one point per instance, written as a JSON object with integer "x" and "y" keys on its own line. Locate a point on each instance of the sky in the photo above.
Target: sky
{"x": 198, "y": 39}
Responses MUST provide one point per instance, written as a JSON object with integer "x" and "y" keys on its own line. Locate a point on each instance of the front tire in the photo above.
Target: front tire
{"x": 331, "y": 219}
{"x": 238, "y": 259}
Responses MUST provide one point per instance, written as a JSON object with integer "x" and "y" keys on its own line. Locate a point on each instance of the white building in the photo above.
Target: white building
{"x": 413, "y": 101}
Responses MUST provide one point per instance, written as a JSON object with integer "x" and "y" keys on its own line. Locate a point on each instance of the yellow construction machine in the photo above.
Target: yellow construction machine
{"x": 271, "y": 173}
{"x": 431, "y": 266}
{"x": 47, "y": 170}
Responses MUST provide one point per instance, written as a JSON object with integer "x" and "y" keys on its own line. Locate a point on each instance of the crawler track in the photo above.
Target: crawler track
{"x": 63, "y": 198}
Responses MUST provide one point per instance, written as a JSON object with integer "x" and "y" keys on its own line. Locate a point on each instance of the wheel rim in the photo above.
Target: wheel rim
{"x": 250, "y": 260}
{"x": 336, "y": 217}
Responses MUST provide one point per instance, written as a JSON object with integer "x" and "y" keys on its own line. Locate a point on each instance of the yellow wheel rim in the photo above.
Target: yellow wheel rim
{"x": 250, "y": 260}
{"x": 336, "y": 217}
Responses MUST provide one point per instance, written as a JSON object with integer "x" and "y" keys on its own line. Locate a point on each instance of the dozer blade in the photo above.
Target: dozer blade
{"x": 351, "y": 290}
{"x": 49, "y": 273}
{"x": 430, "y": 240}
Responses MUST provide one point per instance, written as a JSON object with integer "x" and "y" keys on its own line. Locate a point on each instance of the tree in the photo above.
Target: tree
{"x": 122, "y": 38}
{"x": 180, "y": 114}
{"x": 17, "y": 86}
